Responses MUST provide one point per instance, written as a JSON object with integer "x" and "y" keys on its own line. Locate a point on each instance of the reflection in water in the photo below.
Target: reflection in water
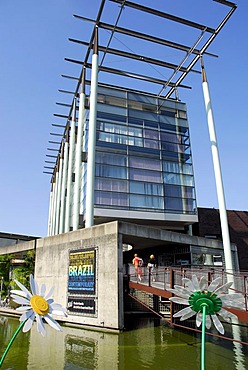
{"x": 237, "y": 347}
{"x": 147, "y": 346}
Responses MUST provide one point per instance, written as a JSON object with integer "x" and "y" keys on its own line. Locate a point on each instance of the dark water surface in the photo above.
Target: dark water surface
{"x": 147, "y": 346}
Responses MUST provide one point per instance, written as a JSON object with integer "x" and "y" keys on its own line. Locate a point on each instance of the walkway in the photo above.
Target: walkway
{"x": 168, "y": 277}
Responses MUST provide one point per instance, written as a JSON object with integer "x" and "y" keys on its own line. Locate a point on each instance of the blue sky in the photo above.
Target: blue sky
{"x": 33, "y": 44}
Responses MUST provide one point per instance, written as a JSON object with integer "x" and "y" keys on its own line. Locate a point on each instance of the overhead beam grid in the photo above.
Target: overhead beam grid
{"x": 145, "y": 46}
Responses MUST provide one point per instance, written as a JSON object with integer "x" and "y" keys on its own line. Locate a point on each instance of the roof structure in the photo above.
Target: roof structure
{"x": 144, "y": 45}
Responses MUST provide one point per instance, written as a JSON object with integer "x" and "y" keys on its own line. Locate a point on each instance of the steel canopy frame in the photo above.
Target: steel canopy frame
{"x": 181, "y": 68}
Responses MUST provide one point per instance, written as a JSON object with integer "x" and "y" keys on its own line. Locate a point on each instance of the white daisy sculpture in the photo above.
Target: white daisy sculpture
{"x": 206, "y": 301}
{"x": 36, "y": 305}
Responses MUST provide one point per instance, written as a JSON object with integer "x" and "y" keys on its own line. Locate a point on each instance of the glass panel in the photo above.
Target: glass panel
{"x": 146, "y": 188}
{"x": 174, "y": 204}
{"x": 111, "y": 171}
{"x": 151, "y": 134}
{"x": 147, "y": 176}
{"x": 177, "y": 168}
{"x": 153, "y": 144}
{"x": 111, "y": 199}
{"x": 108, "y": 158}
{"x": 139, "y": 201}
{"x": 140, "y": 162}
{"x": 171, "y": 178}
{"x": 134, "y": 131}
{"x": 111, "y": 185}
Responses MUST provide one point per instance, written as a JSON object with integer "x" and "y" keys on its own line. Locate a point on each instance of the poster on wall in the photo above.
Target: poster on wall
{"x": 81, "y": 281}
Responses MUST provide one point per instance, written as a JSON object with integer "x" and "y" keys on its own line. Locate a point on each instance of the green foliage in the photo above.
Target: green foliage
{"x": 20, "y": 273}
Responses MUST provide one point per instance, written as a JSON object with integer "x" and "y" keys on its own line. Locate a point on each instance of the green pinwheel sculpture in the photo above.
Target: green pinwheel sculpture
{"x": 206, "y": 302}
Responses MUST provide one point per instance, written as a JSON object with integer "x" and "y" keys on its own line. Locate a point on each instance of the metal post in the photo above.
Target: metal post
{"x": 1, "y": 289}
{"x": 55, "y": 200}
{"x": 64, "y": 182}
{"x": 89, "y": 213}
{"x": 60, "y": 167}
{"x": 49, "y": 226}
{"x": 218, "y": 177}
{"x": 78, "y": 156}
{"x": 70, "y": 166}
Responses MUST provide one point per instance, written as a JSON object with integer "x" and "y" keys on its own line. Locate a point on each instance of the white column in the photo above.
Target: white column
{"x": 50, "y": 211}
{"x": 55, "y": 200}
{"x": 89, "y": 213}
{"x": 60, "y": 166}
{"x": 218, "y": 177}
{"x": 64, "y": 182}
{"x": 70, "y": 167}
{"x": 78, "y": 156}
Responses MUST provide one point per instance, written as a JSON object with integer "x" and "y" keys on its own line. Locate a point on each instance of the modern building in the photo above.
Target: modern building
{"x": 125, "y": 152}
{"x": 143, "y": 163}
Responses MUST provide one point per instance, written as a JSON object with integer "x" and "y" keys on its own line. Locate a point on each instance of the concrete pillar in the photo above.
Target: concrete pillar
{"x": 89, "y": 214}
{"x": 78, "y": 155}
{"x": 68, "y": 208}
{"x": 218, "y": 177}
{"x": 64, "y": 182}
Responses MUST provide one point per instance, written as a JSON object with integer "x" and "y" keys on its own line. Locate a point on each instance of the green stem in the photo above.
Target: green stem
{"x": 11, "y": 341}
{"x": 204, "y": 307}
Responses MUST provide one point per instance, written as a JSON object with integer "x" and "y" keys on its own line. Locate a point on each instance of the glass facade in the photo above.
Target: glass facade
{"x": 143, "y": 156}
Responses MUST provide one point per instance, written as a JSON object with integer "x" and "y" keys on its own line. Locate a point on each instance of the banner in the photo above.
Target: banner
{"x": 81, "y": 281}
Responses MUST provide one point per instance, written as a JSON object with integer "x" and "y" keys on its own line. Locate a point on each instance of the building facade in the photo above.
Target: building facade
{"x": 143, "y": 164}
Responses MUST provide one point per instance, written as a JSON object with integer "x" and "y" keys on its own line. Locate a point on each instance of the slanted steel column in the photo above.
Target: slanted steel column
{"x": 68, "y": 207}
{"x": 89, "y": 213}
{"x": 218, "y": 176}
{"x": 64, "y": 182}
{"x": 55, "y": 197}
{"x": 78, "y": 156}
{"x": 49, "y": 226}
{"x": 60, "y": 167}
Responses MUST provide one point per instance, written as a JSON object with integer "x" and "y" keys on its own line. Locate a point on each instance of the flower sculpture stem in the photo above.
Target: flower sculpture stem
{"x": 204, "y": 310}
{"x": 10, "y": 342}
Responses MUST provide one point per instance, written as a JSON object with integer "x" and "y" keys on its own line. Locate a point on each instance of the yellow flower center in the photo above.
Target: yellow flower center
{"x": 39, "y": 305}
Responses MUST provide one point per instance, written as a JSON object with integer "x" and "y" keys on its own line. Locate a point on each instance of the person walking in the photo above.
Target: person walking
{"x": 152, "y": 264}
{"x": 138, "y": 263}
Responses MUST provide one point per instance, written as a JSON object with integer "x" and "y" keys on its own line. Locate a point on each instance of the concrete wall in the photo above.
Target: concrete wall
{"x": 51, "y": 268}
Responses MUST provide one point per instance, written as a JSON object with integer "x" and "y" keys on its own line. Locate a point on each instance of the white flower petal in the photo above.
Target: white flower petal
{"x": 188, "y": 315}
{"x": 183, "y": 312}
{"x": 179, "y": 300}
{"x": 195, "y": 283}
{"x": 42, "y": 290}
{"x": 198, "y": 319}
{"x": 57, "y": 309}
{"x": 28, "y": 324}
{"x": 20, "y": 293}
{"x": 176, "y": 292}
{"x": 182, "y": 290}
{"x": 50, "y": 301}
{"x": 214, "y": 284}
{"x": 223, "y": 288}
{"x": 233, "y": 296}
{"x": 188, "y": 284}
{"x": 23, "y": 288}
{"x": 23, "y": 308}
{"x": 217, "y": 324}
{"x": 227, "y": 315}
{"x": 53, "y": 323}
{"x": 33, "y": 285}
{"x": 50, "y": 293}
{"x": 19, "y": 300}
{"x": 40, "y": 325}
{"x": 26, "y": 315}
{"x": 208, "y": 322}
{"x": 203, "y": 283}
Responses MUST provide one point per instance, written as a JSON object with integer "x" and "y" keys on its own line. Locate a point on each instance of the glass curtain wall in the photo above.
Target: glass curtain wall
{"x": 143, "y": 156}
